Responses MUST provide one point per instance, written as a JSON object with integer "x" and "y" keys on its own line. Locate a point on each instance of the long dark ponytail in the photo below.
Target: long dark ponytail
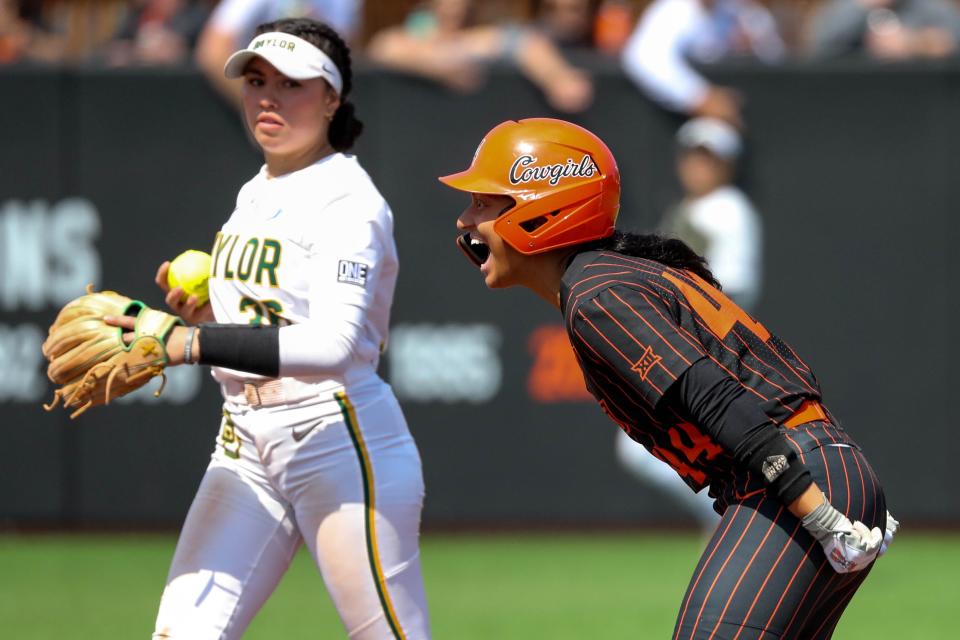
{"x": 345, "y": 127}
{"x": 670, "y": 252}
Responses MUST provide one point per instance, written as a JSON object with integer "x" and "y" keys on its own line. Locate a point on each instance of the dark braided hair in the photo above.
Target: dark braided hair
{"x": 670, "y": 252}
{"x": 345, "y": 128}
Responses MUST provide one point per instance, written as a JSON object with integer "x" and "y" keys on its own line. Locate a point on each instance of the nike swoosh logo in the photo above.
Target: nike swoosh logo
{"x": 300, "y": 435}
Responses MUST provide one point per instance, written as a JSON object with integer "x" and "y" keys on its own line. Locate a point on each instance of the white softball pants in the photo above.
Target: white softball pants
{"x": 349, "y": 485}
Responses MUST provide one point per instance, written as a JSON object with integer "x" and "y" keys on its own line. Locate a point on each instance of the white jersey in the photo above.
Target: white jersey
{"x": 313, "y": 252}
{"x": 727, "y": 230}
{"x": 322, "y": 456}
{"x": 241, "y": 17}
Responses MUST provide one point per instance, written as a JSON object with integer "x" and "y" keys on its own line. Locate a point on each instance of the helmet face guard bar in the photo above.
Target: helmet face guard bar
{"x": 463, "y": 243}
{"x": 474, "y": 253}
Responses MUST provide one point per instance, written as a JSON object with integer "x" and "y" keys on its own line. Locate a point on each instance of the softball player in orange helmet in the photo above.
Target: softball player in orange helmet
{"x": 685, "y": 372}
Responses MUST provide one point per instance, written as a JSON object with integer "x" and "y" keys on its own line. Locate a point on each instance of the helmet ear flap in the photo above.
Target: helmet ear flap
{"x": 533, "y": 227}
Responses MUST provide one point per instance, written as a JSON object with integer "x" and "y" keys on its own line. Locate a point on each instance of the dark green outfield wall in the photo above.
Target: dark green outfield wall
{"x": 105, "y": 175}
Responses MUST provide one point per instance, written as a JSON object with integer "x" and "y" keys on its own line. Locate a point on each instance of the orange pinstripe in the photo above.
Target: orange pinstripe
{"x": 846, "y": 479}
{"x": 743, "y": 573}
{"x": 763, "y": 585}
{"x": 574, "y": 302}
{"x": 863, "y": 487}
{"x": 803, "y": 458}
{"x": 873, "y": 484}
{"x": 700, "y": 322}
{"x": 640, "y": 306}
{"x": 703, "y": 568}
{"x": 824, "y": 590}
{"x": 823, "y": 565}
{"x": 578, "y": 334}
{"x": 692, "y": 340}
{"x": 643, "y": 268}
{"x": 723, "y": 566}
{"x": 652, "y": 328}
{"x": 745, "y": 365}
{"x": 826, "y": 467}
{"x": 683, "y": 302}
{"x": 778, "y": 372}
{"x": 614, "y": 347}
{"x": 803, "y": 561}
{"x": 634, "y": 338}
{"x": 749, "y": 494}
{"x": 840, "y": 604}
{"x": 833, "y": 576}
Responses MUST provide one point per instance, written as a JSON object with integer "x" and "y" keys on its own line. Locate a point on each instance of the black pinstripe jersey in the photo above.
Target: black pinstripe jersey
{"x": 637, "y": 326}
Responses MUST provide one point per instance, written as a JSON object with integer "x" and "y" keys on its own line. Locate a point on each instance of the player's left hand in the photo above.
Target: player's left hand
{"x": 92, "y": 363}
{"x": 849, "y": 546}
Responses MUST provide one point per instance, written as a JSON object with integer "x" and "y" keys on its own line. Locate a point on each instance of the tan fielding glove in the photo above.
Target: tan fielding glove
{"x": 89, "y": 359}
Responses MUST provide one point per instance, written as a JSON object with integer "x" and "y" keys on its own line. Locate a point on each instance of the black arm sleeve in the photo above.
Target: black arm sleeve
{"x": 719, "y": 404}
{"x": 241, "y": 347}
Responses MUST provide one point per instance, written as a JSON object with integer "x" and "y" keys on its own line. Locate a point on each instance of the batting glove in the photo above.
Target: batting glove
{"x": 893, "y": 525}
{"x": 849, "y": 546}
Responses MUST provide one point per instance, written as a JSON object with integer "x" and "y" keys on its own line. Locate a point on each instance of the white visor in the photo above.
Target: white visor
{"x": 716, "y": 136}
{"x": 292, "y": 56}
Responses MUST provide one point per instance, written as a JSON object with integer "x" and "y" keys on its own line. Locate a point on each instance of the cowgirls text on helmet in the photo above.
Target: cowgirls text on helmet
{"x": 563, "y": 180}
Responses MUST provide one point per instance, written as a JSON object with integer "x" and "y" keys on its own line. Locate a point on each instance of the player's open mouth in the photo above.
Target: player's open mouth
{"x": 475, "y": 249}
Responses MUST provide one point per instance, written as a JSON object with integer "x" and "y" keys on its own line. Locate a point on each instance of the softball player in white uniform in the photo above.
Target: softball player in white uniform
{"x": 313, "y": 446}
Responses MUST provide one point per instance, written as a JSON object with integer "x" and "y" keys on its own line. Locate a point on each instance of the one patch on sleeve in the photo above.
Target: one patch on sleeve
{"x": 352, "y": 272}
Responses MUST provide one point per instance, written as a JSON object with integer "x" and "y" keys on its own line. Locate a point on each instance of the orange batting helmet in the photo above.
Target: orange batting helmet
{"x": 563, "y": 179}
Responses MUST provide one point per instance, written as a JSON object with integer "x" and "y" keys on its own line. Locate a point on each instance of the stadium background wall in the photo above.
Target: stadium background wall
{"x": 105, "y": 174}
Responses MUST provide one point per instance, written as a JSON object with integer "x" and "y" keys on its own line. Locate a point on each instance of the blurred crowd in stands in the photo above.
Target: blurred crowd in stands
{"x": 660, "y": 43}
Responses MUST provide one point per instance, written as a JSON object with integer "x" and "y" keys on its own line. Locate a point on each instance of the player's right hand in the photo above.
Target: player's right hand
{"x": 849, "y": 546}
{"x": 188, "y": 310}
{"x": 893, "y": 525}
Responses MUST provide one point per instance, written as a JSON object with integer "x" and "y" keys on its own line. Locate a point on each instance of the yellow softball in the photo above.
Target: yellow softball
{"x": 190, "y": 271}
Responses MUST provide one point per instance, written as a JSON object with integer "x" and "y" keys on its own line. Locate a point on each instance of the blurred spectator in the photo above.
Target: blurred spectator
{"x": 569, "y": 24}
{"x": 672, "y": 33}
{"x": 718, "y": 221}
{"x": 157, "y": 32}
{"x": 233, "y": 22}
{"x": 74, "y": 31}
{"x": 15, "y": 32}
{"x": 886, "y": 29}
{"x": 576, "y": 25}
{"x": 442, "y": 42}
{"x": 715, "y": 217}
{"x": 54, "y": 31}
{"x": 613, "y": 25}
